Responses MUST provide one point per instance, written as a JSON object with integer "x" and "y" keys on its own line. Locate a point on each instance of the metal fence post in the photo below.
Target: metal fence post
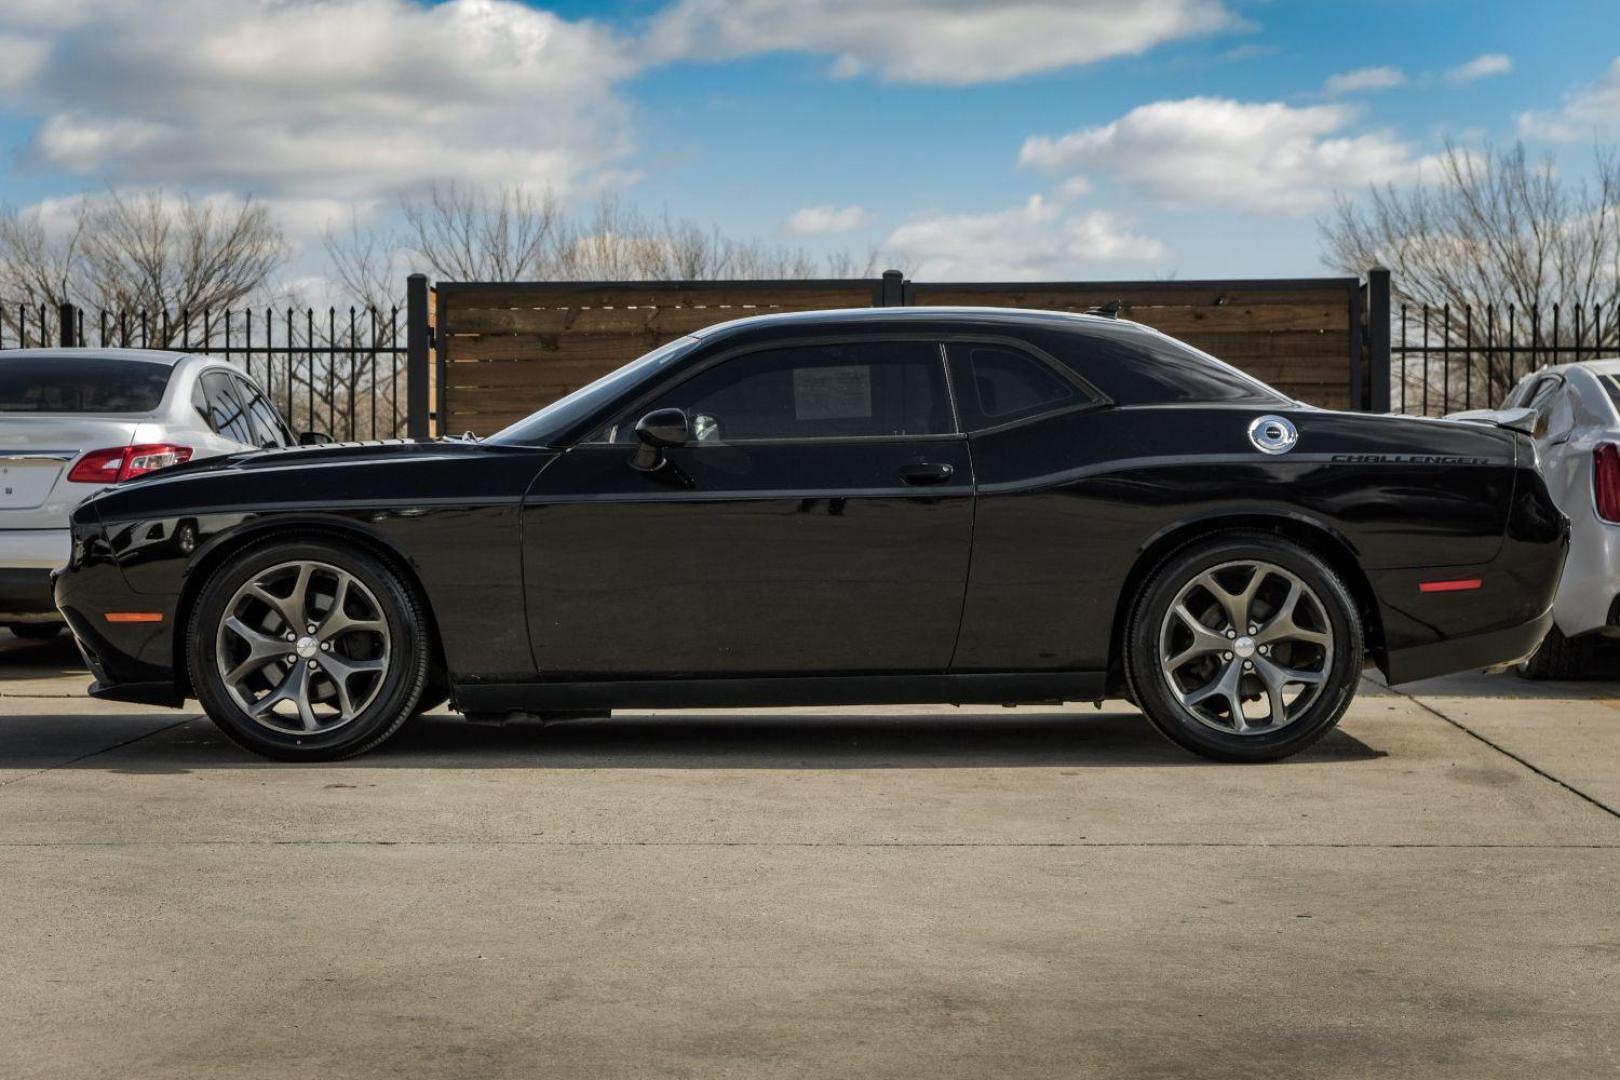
{"x": 1378, "y": 339}
{"x": 893, "y": 288}
{"x": 416, "y": 356}
{"x": 67, "y": 319}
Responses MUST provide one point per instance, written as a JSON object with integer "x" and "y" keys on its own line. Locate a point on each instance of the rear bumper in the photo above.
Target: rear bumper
{"x": 27, "y": 557}
{"x": 26, "y": 596}
{"x": 1470, "y": 653}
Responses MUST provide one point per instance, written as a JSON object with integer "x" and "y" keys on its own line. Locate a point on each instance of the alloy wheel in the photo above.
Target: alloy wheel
{"x": 1246, "y": 647}
{"x": 303, "y": 647}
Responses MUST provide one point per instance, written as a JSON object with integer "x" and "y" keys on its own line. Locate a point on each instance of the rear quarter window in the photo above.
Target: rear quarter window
{"x": 1136, "y": 366}
{"x": 81, "y": 384}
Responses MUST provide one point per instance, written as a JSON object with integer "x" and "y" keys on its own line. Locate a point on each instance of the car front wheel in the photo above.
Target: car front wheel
{"x": 308, "y": 651}
{"x": 1245, "y": 647}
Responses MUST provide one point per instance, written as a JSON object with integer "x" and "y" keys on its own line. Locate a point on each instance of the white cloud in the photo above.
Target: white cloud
{"x": 950, "y": 42}
{"x": 1592, "y": 110}
{"x": 1266, "y": 158}
{"x": 346, "y": 99}
{"x": 813, "y": 220}
{"x": 1480, "y": 67}
{"x": 1367, "y": 78}
{"x": 21, "y": 58}
{"x": 1039, "y": 239}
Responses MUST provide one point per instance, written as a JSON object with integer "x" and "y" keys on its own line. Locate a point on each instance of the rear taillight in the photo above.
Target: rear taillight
{"x": 1606, "y": 481}
{"x": 123, "y": 462}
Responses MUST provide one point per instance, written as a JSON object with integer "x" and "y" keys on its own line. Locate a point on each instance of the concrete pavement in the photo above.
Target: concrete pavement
{"x": 875, "y": 892}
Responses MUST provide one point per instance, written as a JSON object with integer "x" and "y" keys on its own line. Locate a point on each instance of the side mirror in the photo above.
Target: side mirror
{"x": 658, "y": 430}
{"x": 313, "y": 438}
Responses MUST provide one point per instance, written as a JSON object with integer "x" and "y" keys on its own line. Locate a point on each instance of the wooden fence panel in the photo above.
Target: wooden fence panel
{"x": 1296, "y": 335}
{"x": 508, "y": 349}
{"x": 505, "y": 350}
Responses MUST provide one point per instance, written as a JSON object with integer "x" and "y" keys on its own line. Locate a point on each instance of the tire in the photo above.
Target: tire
{"x": 1558, "y": 657}
{"x": 294, "y": 711}
{"x": 35, "y": 631}
{"x": 1181, "y": 676}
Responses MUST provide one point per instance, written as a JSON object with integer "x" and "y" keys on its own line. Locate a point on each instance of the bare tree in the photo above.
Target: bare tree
{"x": 481, "y": 234}
{"x": 38, "y": 264}
{"x": 1495, "y": 237}
{"x": 148, "y": 253}
{"x": 141, "y": 253}
{"x": 466, "y": 233}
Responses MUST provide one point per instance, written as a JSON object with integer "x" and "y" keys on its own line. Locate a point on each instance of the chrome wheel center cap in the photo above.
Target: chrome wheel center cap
{"x": 1243, "y": 646}
{"x": 307, "y": 647}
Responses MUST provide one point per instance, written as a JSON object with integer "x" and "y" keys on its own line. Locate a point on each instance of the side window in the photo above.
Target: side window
{"x": 996, "y": 384}
{"x": 813, "y": 392}
{"x": 225, "y": 414}
{"x": 1542, "y": 394}
{"x": 268, "y": 430}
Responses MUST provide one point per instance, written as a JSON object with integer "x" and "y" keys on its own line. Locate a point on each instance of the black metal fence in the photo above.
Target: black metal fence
{"x": 1445, "y": 359}
{"x": 343, "y": 371}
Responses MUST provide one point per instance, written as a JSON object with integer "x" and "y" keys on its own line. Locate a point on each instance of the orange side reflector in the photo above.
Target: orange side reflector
{"x": 134, "y": 616}
{"x": 1455, "y": 585}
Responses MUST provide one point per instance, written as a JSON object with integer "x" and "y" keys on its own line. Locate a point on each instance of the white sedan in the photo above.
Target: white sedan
{"x": 73, "y": 421}
{"x": 1578, "y": 443}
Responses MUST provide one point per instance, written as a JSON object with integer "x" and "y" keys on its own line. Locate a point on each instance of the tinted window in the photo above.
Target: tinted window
{"x": 1001, "y": 384}
{"x": 81, "y": 384}
{"x": 1542, "y": 394}
{"x": 814, "y": 392}
{"x": 1134, "y": 365}
{"x": 224, "y": 412}
{"x": 268, "y": 430}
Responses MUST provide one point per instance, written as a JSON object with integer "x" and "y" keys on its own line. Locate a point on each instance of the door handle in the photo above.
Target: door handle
{"x": 928, "y": 472}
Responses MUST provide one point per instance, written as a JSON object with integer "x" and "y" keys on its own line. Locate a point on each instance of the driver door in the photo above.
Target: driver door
{"x": 818, "y": 521}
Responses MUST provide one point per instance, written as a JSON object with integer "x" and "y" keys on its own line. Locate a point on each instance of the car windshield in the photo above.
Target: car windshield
{"x": 551, "y": 424}
{"x": 81, "y": 384}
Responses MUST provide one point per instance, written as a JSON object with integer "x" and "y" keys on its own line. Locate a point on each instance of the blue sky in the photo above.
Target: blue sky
{"x": 1020, "y": 138}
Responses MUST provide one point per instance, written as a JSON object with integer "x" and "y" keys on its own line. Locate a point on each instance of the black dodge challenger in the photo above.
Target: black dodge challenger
{"x": 913, "y": 505}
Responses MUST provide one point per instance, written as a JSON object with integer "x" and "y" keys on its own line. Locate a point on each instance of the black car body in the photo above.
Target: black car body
{"x": 916, "y": 505}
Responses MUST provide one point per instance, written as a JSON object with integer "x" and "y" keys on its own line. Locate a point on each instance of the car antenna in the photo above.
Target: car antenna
{"x": 1109, "y": 310}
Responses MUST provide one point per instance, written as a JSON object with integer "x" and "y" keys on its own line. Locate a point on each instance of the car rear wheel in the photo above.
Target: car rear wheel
{"x": 1245, "y": 647}
{"x": 308, "y": 651}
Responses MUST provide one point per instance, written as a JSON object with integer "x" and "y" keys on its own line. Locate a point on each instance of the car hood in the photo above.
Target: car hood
{"x": 322, "y": 454}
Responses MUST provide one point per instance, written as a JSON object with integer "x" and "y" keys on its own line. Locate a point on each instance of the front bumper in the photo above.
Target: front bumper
{"x": 131, "y": 661}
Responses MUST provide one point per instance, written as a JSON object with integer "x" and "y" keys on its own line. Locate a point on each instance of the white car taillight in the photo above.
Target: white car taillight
{"x": 117, "y": 463}
{"x": 1606, "y": 481}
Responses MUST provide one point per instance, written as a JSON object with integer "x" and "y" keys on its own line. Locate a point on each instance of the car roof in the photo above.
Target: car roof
{"x": 1008, "y": 316}
{"x": 1608, "y": 365}
{"x": 150, "y": 356}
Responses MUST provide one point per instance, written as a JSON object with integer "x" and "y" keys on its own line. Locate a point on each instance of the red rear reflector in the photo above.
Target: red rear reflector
{"x": 122, "y": 462}
{"x": 1606, "y": 480}
{"x": 1456, "y": 585}
{"x": 134, "y": 616}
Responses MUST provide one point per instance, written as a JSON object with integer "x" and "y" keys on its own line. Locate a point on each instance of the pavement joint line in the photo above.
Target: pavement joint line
{"x": 1505, "y": 752}
{"x": 795, "y": 844}
{"x": 96, "y": 753}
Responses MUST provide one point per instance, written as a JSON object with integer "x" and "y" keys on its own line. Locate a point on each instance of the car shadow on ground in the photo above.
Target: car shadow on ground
{"x": 55, "y": 657}
{"x": 847, "y": 740}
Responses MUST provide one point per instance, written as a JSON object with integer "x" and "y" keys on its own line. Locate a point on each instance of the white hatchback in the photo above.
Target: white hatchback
{"x": 73, "y": 421}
